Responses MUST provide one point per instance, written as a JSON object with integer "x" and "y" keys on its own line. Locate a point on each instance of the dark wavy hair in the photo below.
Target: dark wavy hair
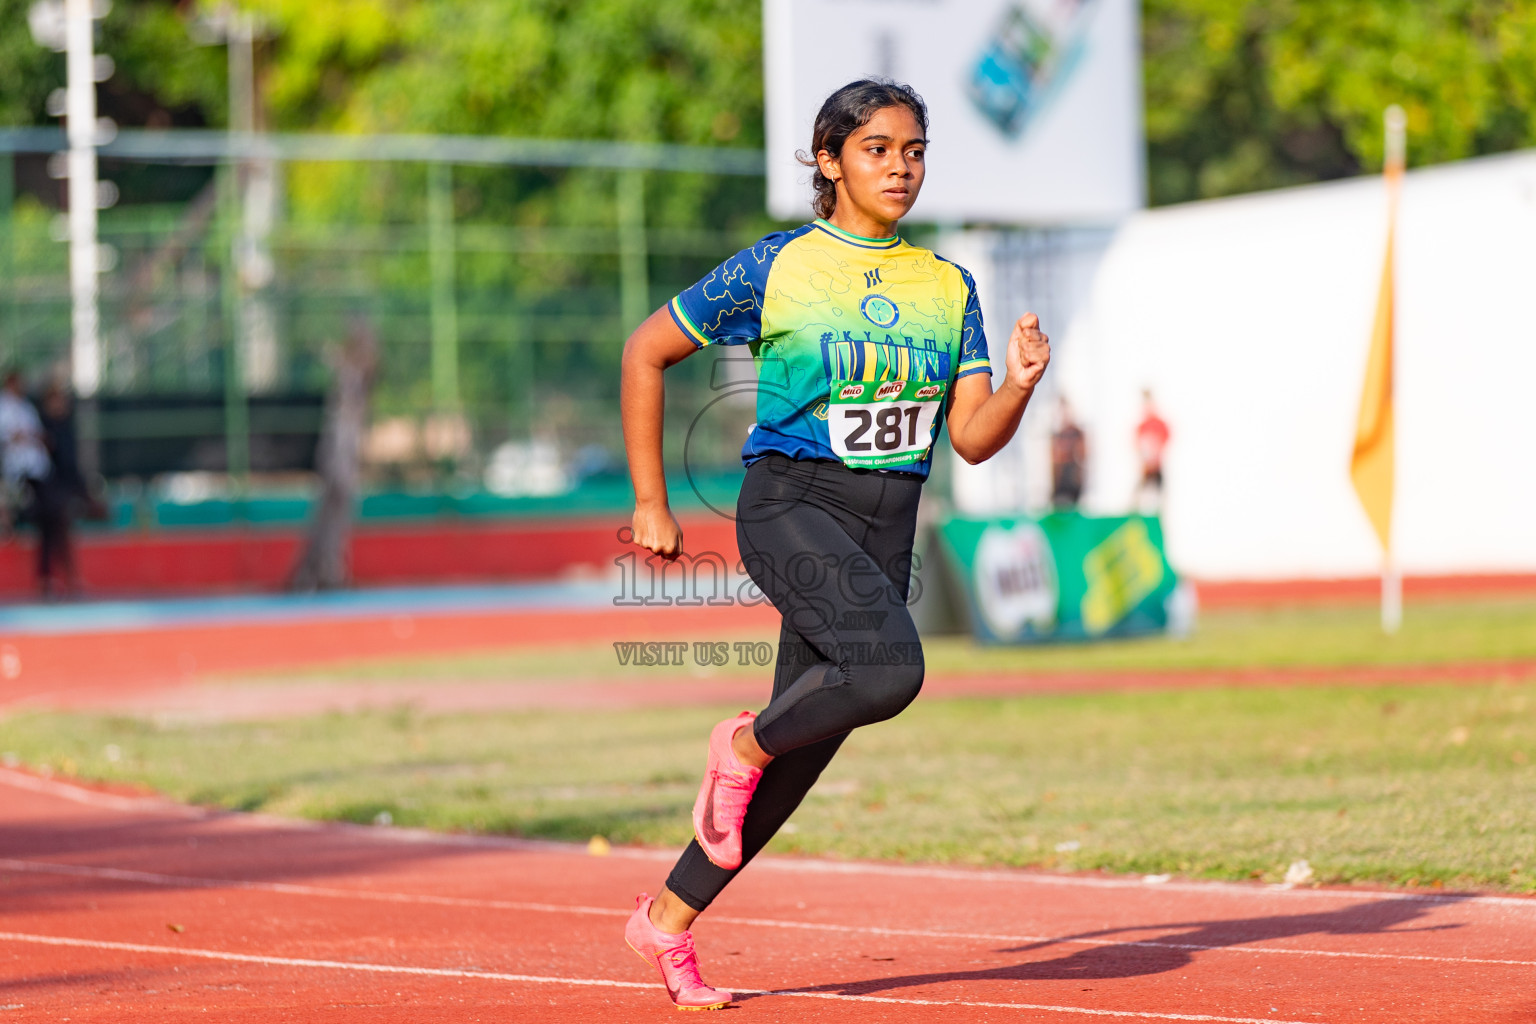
{"x": 845, "y": 112}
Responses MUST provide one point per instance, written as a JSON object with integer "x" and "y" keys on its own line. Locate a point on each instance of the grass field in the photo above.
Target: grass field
{"x": 1427, "y": 785}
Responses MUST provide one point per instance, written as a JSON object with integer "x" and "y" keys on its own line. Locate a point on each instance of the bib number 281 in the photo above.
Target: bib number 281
{"x": 881, "y": 424}
{"x": 891, "y": 425}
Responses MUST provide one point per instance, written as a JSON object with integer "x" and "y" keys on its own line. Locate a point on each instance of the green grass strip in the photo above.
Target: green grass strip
{"x": 1425, "y": 785}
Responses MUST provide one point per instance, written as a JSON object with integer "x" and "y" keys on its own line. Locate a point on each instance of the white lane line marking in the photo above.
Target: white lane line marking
{"x": 538, "y": 979}
{"x": 92, "y": 798}
{"x": 290, "y": 889}
{"x": 809, "y": 866}
{"x": 803, "y": 865}
{"x": 1068, "y": 940}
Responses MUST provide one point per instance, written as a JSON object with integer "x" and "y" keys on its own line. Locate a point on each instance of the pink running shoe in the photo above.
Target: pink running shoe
{"x": 672, "y": 955}
{"x": 728, "y": 786}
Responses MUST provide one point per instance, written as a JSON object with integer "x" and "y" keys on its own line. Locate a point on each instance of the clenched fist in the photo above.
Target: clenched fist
{"x": 1029, "y": 352}
{"x": 656, "y": 530}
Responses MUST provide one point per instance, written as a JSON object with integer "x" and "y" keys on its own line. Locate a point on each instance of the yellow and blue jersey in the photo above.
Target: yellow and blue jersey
{"x": 819, "y": 305}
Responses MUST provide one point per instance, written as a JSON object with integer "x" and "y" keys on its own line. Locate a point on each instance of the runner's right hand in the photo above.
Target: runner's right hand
{"x": 656, "y": 530}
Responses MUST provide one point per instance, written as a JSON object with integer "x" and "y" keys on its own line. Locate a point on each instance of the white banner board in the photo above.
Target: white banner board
{"x": 1249, "y": 319}
{"x": 1034, "y": 105}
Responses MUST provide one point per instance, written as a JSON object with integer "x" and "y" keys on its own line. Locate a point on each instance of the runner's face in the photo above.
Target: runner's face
{"x": 879, "y": 173}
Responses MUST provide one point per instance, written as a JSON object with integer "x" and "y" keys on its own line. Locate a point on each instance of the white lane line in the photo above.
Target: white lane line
{"x": 290, "y": 889}
{"x": 92, "y": 798}
{"x": 809, "y": 866}
{"x": 538, "y": 979}
{"x": 803, "y": 865}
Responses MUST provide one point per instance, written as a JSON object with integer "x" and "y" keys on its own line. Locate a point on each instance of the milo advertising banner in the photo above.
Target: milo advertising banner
{"x": 1063, "y": 577}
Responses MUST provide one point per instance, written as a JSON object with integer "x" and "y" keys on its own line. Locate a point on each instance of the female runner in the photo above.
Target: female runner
{"x": 864, "y": 344}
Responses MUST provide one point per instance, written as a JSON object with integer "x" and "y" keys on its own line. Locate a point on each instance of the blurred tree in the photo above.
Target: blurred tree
{"x": 161, "y": 78}
{"x": 28, "y": 72}
{"x": 1250, "y": 94}
{"x": 683, "y": 71}
{"x": 688, "y": 71}
{"x": 1240, "y": 94}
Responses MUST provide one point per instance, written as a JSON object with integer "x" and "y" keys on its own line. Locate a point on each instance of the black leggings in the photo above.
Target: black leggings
{"x": 831, "y": 547}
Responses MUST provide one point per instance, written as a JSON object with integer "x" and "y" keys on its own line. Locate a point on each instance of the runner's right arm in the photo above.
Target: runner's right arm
{"x": 655, "y": 345}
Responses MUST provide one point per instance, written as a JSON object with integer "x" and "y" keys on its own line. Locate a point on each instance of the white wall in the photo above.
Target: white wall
{"x": 1051, "y": 274}
{"x": 1249, "y": 318}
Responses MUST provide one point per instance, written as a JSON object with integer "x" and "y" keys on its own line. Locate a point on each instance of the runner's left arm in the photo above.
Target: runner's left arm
{"x": 981, "y": 420}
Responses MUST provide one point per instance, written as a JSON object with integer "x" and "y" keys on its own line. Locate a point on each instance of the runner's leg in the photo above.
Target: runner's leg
{"x": 859, "y": 663}
{"x": 786, "y": 780}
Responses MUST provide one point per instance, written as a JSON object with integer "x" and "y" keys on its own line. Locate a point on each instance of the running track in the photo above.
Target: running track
{"x": 52, "y": 656}
{"x": 122, "y": 907}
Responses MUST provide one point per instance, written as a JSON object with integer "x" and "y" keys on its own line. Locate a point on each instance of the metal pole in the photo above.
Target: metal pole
{"x": 237, "y": 440}
{"x": 85, "y": 324}
{"x": 634, "y": 281}
{"x": 80, "y": 110}
{"x": 258, "y": 186}
{"x": 445, "y": 311}
{"x": 1396, "y": 163}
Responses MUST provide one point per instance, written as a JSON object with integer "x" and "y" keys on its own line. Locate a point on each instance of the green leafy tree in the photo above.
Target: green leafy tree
{"x": 1240, "y": 94}
{"x": 162, "y": 77}
{"x": 1251, "y": 94}
{"x": 28, "y": 72}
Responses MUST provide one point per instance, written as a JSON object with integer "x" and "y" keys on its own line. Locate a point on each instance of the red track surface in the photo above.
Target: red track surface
{"x": 116, "y": 908}
{"x": 256, "y": 559}
{"x": 72, "y": 662}
{"x": 121, "y": 908}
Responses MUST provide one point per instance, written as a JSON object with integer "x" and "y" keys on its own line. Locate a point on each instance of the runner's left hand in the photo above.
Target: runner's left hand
{"x": 1029, "y": 352}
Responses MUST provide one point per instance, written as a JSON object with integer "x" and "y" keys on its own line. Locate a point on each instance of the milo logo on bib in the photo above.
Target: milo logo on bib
{"x": 889, "y": 426}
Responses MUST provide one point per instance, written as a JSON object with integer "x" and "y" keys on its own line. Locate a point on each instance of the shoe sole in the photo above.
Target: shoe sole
{"x": 642, "y": 956}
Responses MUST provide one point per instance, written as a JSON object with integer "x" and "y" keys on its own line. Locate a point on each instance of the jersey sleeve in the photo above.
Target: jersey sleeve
{"x": 973, "y": 339}
{"x": 725, "y": 307}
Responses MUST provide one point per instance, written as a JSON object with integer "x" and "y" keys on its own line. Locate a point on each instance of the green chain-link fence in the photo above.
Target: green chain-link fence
{"x": 499, "y": 276}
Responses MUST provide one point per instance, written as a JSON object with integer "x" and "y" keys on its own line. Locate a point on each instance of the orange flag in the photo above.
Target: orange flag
{"x": 1371, "y": 466}
{"x": 1372, "y": 463}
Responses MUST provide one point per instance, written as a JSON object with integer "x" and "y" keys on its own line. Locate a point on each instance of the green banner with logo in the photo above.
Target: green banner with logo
{"x": 1065, "y": 576}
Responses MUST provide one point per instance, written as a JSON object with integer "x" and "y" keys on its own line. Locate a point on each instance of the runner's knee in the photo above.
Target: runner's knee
{"x": 886, "y": 689}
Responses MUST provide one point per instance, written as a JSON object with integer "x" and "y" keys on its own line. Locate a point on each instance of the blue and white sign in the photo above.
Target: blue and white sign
{"x": 1035, "y": 105}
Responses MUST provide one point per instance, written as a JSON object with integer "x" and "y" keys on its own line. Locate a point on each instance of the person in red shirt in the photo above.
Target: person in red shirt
{"x": 1151, "y": 440}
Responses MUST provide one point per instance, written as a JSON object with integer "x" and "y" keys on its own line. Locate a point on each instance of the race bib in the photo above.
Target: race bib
{"x": 880, "y": 424}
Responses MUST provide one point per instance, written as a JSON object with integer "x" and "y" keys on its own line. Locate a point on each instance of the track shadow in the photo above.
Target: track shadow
{"x": 1173, "y": 948}
{"x": 206, "y": 848}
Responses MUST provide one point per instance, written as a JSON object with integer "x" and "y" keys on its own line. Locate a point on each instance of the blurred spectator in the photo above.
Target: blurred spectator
{"x": 68, "y": 496}
{"x": 23, "y": 456}
{"x": 1069, "y": 456}
{"x": 1151, "y": 439}
{"x": 29, "y": 476}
